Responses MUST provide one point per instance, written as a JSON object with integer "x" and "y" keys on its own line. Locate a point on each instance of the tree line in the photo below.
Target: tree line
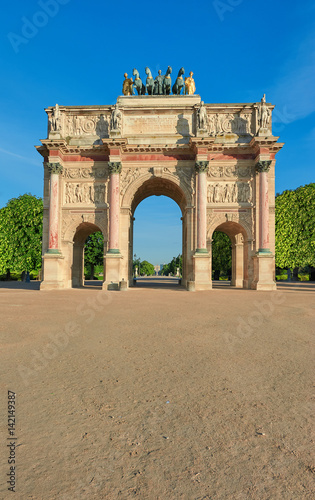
{"x": 21, "y": 228}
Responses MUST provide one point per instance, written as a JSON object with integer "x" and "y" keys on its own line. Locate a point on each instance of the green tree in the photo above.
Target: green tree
{"x": 94, "y": 251}
{"x": 165, "y": 271}
{"x": 295, "y": 228}
{"x": 172, "y": 266}
{"x": 146, "y": 268}
{"x": 221, "y": 253}
{"x": 21, "y": 229}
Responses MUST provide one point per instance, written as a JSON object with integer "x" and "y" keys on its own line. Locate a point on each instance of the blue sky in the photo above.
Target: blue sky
{"x": 78, "y": 52}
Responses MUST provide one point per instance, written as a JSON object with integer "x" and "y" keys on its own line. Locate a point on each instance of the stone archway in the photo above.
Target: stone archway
{"x": 240, "y": 254}
{"x": 166, "y": 185}
{"x": 77, "y": 267}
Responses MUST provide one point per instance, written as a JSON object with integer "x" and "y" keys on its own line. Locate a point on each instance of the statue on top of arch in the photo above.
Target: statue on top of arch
{"x": 161, "y": 85}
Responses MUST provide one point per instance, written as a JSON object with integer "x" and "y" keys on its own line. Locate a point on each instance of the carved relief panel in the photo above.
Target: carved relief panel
{"x": 229, "y": 192}
{"x": 72, "y": 125}
{"x": 84, "y": 193}
{"x": 227, "y": 123}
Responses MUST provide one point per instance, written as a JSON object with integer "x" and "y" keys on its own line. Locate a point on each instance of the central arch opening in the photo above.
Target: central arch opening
{"x": 157, "y": 237}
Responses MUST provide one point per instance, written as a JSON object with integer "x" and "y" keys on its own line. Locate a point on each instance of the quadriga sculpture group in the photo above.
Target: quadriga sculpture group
{"x": 160, "y": 85}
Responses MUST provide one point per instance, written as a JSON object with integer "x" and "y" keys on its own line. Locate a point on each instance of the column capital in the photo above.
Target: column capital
{"x": 54, "y": 168}
{"x": 114, "y": 167}
{"x": 201, "y": 166}
{"x": 263, "y": 166}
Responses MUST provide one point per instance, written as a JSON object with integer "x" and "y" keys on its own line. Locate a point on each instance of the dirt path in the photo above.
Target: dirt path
{"x": 159, "y": 393}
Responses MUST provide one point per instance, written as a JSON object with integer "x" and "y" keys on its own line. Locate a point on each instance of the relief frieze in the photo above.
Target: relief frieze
{"x": 230, "y": 171}
{"x": 85, "y": 193}
{"x": 230, "y": 192}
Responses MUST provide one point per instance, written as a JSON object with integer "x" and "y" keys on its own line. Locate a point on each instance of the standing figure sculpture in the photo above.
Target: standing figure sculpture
{"x": 149, "y": 87}
{"x": 115, "y": 121}
{"x": 55, "y": 119}
{"x": 127, "y": 85}
{"x": 263, "y": 113}
{"x": 202, "y": 119}
{"x": 167, "y": 83}
{"x": 138, "y": 85}
{"x": 158, "y": 83}
{"x": 190, "y": 86}
{"x": 179, "y": 83}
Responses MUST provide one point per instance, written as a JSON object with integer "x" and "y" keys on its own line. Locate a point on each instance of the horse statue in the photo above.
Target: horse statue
{"x": 138, "y": 85}
{"x": 167, "y": 83}
{"x": 179, "y": 84}
{"x": 149, "y": 87}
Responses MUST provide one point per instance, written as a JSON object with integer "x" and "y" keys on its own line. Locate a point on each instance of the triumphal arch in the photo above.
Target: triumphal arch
{"x": 216, "y": 161}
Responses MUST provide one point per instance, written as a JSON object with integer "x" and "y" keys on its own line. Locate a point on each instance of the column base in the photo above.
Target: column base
{"x": 201, "y": 271}
{"x": 112, "y": 270}
{"x": 264, "y": 269}
{"x": 53, "y": 271}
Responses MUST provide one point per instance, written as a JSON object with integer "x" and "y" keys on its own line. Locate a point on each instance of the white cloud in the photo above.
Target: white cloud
{"x": 27, "y": 160}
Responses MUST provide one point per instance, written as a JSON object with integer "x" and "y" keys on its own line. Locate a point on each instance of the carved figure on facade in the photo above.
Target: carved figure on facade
{"x": 263, "y": 113}
{"x": 202, "y": 119}
{"x": 138, "y": 85}
{"x": 69, "y": 130}
{"x": 84, "y": 193}
{"x": 127, "y": 177}
{"x": 127, "y": 85}
{"x": 101, "y": 128}
{"x": 237, "y": 192}
{"x": 179, "y": 83}
{"x": 55, "y": 119}
{"x": 116, "y": 118}
{"x": 211, "y": 125}
{"x": 187, "y": 178}
{"x": 149, "y": 86}
{"x": 190, "y": 87}
{"x": 77, "y": 125}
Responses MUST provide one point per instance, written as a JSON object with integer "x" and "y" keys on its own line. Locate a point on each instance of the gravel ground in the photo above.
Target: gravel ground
{"x": 158, "y": 393}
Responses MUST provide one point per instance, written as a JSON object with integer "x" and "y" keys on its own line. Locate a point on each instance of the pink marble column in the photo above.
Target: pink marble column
{"x": 262, "y": 169}
{"x": 201, "y": 169}
{"x": 114, "y": 209}
{"x": 55, "y": 169}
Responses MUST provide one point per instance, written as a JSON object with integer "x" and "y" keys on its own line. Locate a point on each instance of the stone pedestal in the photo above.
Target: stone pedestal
{"x": 264, "y": 132}
{"x": 264, "y": 269}
{"x": 53, "y": 272}
{"x": 112, "y": 271}
{"x": 202, "y": 132}
{"x": 202, "y": 271}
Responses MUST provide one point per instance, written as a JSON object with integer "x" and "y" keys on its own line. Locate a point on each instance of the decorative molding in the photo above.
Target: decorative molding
{"x": 243, "y": 218}
{"x": 228, "y": 123}
{"x": 54, "y": 168}
{"x": 263, "y": 166}
{"x": 71, "y": 221}
{"x": 85, "y": 173}
{"x": 201, "y": 166}
{"x": 230, "y": 171}
{"x": 114, "y": 167}
{"x": 128, "y": 176}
